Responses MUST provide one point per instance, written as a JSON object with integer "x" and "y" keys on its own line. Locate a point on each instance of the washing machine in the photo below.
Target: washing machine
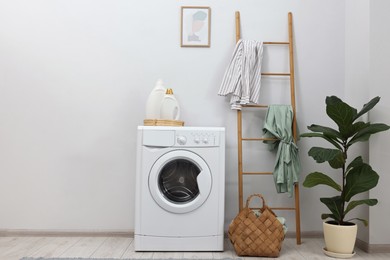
{"x": 180, "y": 186}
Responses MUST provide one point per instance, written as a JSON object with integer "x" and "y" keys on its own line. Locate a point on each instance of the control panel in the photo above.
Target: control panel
{"x": 197, "y": 138}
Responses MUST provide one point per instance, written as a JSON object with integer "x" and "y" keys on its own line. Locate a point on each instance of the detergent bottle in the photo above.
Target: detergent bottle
{"x": 170, "y": 108}
{"x": 153, "y": 104}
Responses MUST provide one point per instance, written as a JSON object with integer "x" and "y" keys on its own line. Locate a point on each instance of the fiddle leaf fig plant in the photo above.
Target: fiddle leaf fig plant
{"x": 356, "y": 176}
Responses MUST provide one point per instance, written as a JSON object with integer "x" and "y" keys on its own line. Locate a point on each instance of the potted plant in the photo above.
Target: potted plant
{"x": 356, "y": 175}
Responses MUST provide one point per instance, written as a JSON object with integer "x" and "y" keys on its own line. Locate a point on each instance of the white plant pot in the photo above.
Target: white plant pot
{"x": 340, "y": 239}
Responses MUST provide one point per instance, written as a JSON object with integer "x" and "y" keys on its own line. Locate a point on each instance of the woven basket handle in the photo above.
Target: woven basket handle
{"x": 255, "y": 195}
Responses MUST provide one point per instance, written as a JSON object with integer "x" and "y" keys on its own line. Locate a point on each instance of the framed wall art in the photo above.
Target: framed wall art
{"x": 195, "y": 26}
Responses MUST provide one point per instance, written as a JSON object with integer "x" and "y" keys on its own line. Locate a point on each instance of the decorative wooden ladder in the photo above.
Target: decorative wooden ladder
{"x": 241, "y": 173}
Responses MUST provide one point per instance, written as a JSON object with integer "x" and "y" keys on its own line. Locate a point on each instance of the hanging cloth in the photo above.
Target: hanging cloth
{"x": 278, "y": 124}
{"x": 243, "y": 76}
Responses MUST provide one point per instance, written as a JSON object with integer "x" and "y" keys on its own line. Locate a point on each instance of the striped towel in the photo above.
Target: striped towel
{"x": 243, "y": 75}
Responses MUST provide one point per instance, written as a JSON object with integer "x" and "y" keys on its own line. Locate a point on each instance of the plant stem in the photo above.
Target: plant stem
{"x": 345, "y": 148}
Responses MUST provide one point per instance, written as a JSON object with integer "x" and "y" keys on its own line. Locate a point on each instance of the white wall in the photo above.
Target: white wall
{"x": 380, "y": 144}
{"x": 74, "y": 78}
{"x": 356, "y": 83}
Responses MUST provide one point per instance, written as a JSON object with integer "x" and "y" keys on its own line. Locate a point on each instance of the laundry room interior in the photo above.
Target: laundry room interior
{"x": 76, "y": 76}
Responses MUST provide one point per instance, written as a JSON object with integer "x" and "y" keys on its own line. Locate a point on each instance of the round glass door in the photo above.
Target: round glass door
{"x": 180, "y": 181}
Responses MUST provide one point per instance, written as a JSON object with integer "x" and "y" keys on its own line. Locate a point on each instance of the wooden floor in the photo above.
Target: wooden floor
{"x": 14, "y": 248}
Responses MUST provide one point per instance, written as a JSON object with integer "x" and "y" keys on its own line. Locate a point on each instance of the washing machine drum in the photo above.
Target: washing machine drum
{"x": 180, "y": 181}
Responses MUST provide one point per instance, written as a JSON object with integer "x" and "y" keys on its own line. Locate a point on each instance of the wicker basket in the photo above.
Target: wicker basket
{"x": 253, "y": 235}
{"x": 162, "y": 122}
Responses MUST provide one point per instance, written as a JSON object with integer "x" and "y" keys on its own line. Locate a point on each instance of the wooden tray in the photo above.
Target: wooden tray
{"x": 163, "y": 122}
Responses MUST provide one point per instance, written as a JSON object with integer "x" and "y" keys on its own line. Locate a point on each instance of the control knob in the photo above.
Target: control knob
{"x": 182, "y": 140}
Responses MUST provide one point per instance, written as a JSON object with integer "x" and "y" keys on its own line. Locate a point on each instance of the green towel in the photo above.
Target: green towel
{"x": 278, "y": 124}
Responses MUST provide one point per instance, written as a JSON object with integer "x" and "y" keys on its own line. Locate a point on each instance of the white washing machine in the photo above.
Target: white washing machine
{"x": 180, "y": 186}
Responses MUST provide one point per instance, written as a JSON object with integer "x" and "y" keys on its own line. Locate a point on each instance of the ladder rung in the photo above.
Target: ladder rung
{"x": 281, "y": 208}
{"x": 275, "y": 74}
{"x": 259, "y": 139}
{"x": 260, "y": 106}
{"x": 257, "y": 173}
{"x": 270, "y": 43}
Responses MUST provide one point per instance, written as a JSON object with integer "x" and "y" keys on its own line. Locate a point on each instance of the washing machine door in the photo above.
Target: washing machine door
{"x": 180, "y": 181}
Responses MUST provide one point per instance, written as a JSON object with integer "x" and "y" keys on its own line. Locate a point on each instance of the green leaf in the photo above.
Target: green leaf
{"x": 367, "y": 107}
{"x": 327, "y": 138}
{"x": 325, "y": 216}
{"x": 356, "y": 127}
{"x": 318, "y": 178}
{"x": 329, "y": 134}
{"x": 358, "y": 161}
{"x": 342, "y": 114}
{"x": 334, "y": 204}
{"x": 333, "y": 156}
{"x": 365, "y": 133}
{"x": 311, "y": 135}
{"x": 365, "y": 222}
{"x": 332, "y": 100}
{"x": 360, "y": 179}
{"x": 338, "y": 162}
{"x": 321, "y": 155}
{"x": 355, "y": 203}
{"x": 325, "y": 130}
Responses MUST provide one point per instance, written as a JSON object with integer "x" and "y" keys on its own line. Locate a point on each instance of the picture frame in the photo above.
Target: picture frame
{"x": 195, "y": 26}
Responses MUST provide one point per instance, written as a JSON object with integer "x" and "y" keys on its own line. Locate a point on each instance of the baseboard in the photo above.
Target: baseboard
{"x": 379, "y": 248}
{"x": 65, "y": 233}
{"x": 306, "y": 234}
{"x": 372, "y": 248}
{"x": 363, "y": 245}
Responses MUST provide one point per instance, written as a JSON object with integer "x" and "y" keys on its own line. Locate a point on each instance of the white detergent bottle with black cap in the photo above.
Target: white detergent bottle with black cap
{"x": 153, "y": 104}
{"x": 170, "y": 109}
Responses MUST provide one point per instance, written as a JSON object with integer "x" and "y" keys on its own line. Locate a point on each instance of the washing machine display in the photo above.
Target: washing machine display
{"x": 180, "y": 189}
{"x": 180, "y": 181}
